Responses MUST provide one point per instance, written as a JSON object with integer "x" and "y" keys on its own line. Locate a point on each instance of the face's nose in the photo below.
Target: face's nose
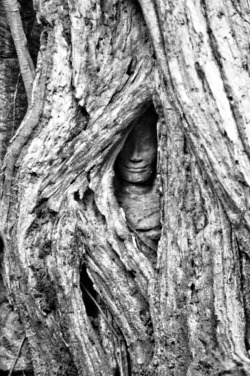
{"x": 135, "y": 154}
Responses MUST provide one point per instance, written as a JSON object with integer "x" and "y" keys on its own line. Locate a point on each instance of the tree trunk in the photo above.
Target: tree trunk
{"x": 91, "y": 300}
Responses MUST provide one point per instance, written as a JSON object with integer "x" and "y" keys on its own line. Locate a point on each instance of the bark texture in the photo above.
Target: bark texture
{"x": 13, "y": 105}
{"x": 17, "y": 32}
{"x": 13, "y": 101}
{"x": 91, "y": 301}
{"x": 12, "y": 93}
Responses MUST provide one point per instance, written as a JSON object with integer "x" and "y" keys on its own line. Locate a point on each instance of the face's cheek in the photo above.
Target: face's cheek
{"x": 150, "y": 158}
{"x": 125, "y": 154}
{"x": 122, "y": 157}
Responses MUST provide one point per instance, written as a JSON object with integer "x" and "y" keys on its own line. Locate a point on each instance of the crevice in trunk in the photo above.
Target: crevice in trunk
{"x": 99, "y": 314}
{"x": 89, "y": 296}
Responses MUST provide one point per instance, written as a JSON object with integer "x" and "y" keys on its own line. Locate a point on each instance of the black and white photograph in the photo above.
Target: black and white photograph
{"x": 124, "y": 187}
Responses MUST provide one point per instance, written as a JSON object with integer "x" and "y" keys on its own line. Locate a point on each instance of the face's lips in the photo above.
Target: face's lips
{"x": 135, "y": 169}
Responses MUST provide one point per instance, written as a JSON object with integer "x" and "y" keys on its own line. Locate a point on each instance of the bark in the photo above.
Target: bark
{"x": 12, "y": 93}
{"x": 13, "y": 101}
{"x": 13, "y": 105}
{"x": 91, "y": 302}
{"x": 11, "y": 8}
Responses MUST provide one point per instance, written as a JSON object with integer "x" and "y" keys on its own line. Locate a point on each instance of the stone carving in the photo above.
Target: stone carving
{"x": 135, "y": 187}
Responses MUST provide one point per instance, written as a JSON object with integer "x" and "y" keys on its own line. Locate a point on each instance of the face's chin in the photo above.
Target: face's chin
{"x": 136, "y": 176}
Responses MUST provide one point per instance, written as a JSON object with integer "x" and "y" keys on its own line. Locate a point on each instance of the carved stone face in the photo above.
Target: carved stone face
{"x": 137, "y": 160}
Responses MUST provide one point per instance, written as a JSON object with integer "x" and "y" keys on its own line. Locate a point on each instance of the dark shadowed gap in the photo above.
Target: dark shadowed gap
{"x": 135, "y": 183}
{"x": 88, "y": 291}
{"x": 31, "y": 27}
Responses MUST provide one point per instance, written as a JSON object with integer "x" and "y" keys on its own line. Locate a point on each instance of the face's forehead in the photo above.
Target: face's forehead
{"x": 144, "y": 128}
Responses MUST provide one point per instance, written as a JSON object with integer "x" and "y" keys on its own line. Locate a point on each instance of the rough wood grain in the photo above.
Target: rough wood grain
{"x": 64, "y": 232}
{"x": 12, "y": 11}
